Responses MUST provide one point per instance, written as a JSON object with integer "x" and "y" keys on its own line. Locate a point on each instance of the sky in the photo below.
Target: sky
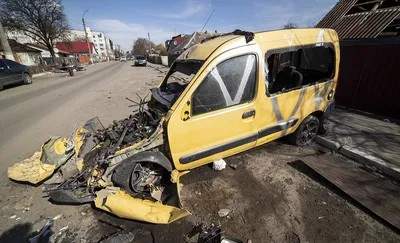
{"x": 126, "y": 20}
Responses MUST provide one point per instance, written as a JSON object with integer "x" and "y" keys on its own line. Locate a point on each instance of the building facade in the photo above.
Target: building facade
{"x": 100, "y": 41}
{"x": 19, "y": 36}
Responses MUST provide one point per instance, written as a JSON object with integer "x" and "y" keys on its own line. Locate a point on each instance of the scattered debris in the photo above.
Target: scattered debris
{"x": 64, "y": 228}
{"x": 18, "y": 218}
{"x": 233, "y": 166}
{"x": 320, "y": 217}
{"x": 83, "y": 213}
{"x": 43, "y": 232}
{"x": 219, "y": 164}
{"x": 119, "y": 237}
{"x": 13, "y": 216}
{"x": 224, "y": 212}
{"x": 57, "y": 217}
{"x": 211, "y": 234}
{"x": 324, "y": 203}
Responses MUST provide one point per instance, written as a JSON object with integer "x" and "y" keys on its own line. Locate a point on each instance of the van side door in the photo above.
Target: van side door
{"x": 216, "y": 117}
{"x": 298, "y": 82}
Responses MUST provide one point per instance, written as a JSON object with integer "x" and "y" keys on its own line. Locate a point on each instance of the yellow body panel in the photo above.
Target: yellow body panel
{"x": 118, "y": 202}
{"x": 194, "y": 135}
{"x": 43, "y": 163}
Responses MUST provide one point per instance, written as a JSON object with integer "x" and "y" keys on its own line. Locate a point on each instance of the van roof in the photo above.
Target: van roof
{"x": 203, "y": 50}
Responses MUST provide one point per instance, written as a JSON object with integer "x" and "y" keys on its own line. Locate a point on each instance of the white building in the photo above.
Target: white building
{"x": 100, "y": 41}
{"x": 19, "y": 36}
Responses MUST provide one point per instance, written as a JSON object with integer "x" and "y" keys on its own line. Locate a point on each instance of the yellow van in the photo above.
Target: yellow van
{"x": 245, "y": 93}
{"x": 223, "y": 96}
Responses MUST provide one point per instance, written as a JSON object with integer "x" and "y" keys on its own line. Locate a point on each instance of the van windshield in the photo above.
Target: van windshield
{"x": 140, "y": 58}
{"x": 178, "y": 77}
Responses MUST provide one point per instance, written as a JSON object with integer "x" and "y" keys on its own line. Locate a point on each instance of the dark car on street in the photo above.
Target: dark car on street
{"x": 13, "y": 72}
{"x": 140, "y": 61}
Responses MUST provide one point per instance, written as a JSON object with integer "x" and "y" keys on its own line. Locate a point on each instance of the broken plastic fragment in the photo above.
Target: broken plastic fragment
{"x": 219, "y": 164}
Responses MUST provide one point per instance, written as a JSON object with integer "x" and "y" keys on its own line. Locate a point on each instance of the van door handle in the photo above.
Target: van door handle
{"x": 248, "y": 114}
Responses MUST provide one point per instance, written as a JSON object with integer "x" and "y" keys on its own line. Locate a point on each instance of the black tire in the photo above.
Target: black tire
{"x": 306, "y": 132}
{"x": 1, "y": 86}
{"x": 27, "y": 78}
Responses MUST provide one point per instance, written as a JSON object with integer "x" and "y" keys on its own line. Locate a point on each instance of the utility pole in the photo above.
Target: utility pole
{"x": 86, "y": 36}
{"x": 149, "y": 43}
{"x": 4, "y": 43}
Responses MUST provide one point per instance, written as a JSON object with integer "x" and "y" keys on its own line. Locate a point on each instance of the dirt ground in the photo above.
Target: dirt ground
{"x": 270, "y": 194}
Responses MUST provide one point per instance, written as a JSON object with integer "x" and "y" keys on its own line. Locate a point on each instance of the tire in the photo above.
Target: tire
{"x": 306, "y": 132}
{"x": 27, "y": 78}
{"x": 1, "y": 86}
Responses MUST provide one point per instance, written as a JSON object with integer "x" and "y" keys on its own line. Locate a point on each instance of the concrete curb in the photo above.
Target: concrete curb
{"x": 360, "y": 157}
{"x": 332, "y": 145}
{"x": 41, "y": 74}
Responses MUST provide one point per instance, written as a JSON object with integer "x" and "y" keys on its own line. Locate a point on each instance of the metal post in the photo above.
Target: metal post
{"x": 86, "y": 36}
{"x": 149, "y": 43}
{"x": 5, "y": 44}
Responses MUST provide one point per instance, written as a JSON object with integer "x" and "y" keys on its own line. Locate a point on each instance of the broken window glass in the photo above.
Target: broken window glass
{"x": 293, "y": 68}
{"x": 232, "y": 82}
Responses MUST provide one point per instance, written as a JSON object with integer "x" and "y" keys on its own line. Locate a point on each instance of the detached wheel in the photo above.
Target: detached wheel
{"x": 27, "y": 78}
{"x": 306, "y": 132}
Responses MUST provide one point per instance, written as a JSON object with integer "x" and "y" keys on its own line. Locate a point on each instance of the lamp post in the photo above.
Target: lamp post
{"x": 86, "y": 36}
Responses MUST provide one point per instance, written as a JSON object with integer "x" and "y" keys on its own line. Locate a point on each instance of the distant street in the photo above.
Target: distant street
{"x": 55, "y": 104}
{"x": 270, "y": 197}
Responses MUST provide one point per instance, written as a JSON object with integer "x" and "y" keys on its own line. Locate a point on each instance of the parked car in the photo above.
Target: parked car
{"x": 123, "y": 59}
{"x": 140, "y": 61}
{"x": 246, "y": 89}
{"x": 13, "y": 72}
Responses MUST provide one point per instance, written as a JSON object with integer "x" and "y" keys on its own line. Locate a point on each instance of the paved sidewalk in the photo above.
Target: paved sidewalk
{"x": 366, "y": 140}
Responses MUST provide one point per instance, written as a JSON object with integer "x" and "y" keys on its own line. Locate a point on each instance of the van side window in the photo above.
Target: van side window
{"x": 292, "y": 68}
{"x": 230, "y": 83}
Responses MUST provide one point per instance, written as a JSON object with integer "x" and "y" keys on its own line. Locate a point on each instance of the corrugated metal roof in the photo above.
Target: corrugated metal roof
{"x": 336, "y": 13}
{"x": 366, "y": 24}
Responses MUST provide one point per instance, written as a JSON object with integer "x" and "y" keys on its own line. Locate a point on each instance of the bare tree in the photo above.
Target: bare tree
{"x": 141, "y": 46}
{"x": 290, "y": 25}
{"x": 161, "y": 49}
{"x": 42, "y": 20}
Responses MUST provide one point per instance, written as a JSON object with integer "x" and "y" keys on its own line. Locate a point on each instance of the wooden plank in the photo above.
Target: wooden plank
{"x": 377, "y": 194}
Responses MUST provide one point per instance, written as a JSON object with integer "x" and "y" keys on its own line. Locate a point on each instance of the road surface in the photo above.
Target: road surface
{"x": 270, "y": 198}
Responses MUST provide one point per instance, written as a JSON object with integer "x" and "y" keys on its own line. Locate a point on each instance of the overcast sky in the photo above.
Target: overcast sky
{"x": 125, "y": 20}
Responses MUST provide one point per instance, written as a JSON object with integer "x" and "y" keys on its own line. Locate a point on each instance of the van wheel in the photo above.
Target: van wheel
{"x": 1, "y": 86}
{"x": 306, "y": 132}
{"x": 27, "y": 78}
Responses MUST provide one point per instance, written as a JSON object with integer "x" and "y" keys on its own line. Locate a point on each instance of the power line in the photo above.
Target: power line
{"x": 73, "y": 20}
{"x": 229, "y": 2}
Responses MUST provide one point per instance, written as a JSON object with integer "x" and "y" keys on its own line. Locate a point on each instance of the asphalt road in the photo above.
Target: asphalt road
{"x": 54, "y": 105}
{"x": 270, "y": 197}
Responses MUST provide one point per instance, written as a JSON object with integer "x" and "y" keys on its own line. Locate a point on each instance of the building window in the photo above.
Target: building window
{"x": 101, "y": 49}
{"x": 230, "y": 83}
{"x": 99, "y": 35}
{"x": 94, "y": 40}
{"x": 293, "y": 68}
{"x": 101, "y": 44}
{"x": 94, "y": 36}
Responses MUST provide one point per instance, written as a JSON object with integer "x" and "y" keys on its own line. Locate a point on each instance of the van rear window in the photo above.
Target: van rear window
{"x": 299, "y": 66}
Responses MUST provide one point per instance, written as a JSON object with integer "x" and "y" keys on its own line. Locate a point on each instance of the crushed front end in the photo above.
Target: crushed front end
{"x": 122, "y": 168}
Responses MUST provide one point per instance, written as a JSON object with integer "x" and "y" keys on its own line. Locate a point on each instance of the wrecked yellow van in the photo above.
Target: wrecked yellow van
{"x": 241, "y": 90}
